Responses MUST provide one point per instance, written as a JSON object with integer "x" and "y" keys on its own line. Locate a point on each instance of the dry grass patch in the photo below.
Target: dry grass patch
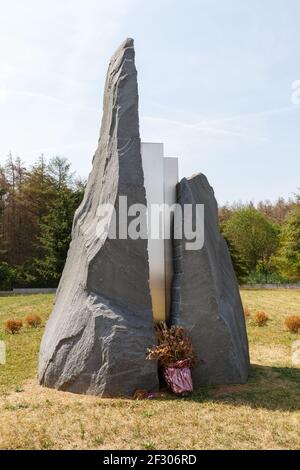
{"x": 21, "y": 349}
{"x": 247, "y": 312}
{"x": 279, "y": 304}
{"x": 228, "y": 418}
{"x": 262, "y": 414}
{"x": 273, "y": 355}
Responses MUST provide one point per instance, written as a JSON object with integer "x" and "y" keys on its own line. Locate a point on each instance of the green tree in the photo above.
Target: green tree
{"x": 253, "y": 237}
{"x": 288, "y": 258}
{"x": 55, "y": 226}
{"x": 7, "y": 276}
{"x": 59, "y": 170}
{"x": 238, "y": 263}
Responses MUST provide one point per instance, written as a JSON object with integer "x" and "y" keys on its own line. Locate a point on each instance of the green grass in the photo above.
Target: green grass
{"x": 262, "y": 414}
{"x": 21, "y": 348}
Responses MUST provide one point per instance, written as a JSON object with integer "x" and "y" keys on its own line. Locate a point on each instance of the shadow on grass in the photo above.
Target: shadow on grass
{"x": 272, "y": 388}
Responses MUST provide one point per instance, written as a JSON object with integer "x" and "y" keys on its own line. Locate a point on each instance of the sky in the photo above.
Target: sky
{"x": 219, "y": 85}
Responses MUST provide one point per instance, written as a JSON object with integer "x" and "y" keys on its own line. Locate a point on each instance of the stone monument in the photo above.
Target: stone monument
{"x": 108, "y": 298}
{"x": 101, "y": 326}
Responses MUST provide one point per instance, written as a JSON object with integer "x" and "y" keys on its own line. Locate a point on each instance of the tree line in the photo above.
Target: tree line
{"x": 37, "y": 206}
{"x": 264, "y": 240}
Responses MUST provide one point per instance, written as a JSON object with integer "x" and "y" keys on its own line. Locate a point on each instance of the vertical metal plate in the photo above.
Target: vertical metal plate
{"x": 160, "y": 179}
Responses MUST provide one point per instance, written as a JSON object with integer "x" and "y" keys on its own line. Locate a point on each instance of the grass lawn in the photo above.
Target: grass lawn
{"x": 263, "y": 414}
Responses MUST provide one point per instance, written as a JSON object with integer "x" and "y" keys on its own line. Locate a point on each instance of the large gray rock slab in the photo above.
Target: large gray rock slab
{"x": 206, "y": 298}
{"x": 101, "y": 326}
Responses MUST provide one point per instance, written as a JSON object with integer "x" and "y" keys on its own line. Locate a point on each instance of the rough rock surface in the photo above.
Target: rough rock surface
{"x": 96, "y": 338}
{"x": 205, "y": 296}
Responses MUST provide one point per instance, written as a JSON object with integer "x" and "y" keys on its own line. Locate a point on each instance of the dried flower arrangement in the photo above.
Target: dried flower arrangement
{"x": 174, "y": 345}
{"x": 176, "y": 356}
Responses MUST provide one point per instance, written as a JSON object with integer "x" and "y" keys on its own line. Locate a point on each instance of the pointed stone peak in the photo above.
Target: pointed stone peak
{"x": 129, "y": 42}
{"x": 121, "y": 50}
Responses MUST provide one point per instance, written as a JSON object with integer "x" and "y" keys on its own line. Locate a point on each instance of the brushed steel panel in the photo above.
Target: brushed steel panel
{"x": 160, "y": 179}
{"x": 152, "y": 158}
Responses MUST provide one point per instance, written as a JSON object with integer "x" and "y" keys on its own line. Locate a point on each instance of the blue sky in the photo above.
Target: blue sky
{"x": 215, "y": 84}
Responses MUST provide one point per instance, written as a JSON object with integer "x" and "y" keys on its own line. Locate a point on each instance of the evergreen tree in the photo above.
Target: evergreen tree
{"x": 3, "y": 191}
{"x": 15, "y": 222}
{"x": 55, "y": 227}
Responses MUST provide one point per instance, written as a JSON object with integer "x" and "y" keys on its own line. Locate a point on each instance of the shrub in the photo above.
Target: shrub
{"x": 33, "y": 320}
{"x": 292, "y": 323}
{"x": 16, "y": 276}
{"x": 7, "y": 275}
{"x": 265, "y": 276}
{"x": 24, "y": 276}
{"x": 13, "y": 326}
{"x": 261, "y": 318}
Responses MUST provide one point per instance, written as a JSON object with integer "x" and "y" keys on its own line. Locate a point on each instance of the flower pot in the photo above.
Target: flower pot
{"x": 179, "y": 378}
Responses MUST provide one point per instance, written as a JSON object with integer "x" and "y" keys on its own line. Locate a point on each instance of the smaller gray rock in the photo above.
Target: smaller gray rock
{"x": 205, "y": 295}
{"x": 296, "y": 353}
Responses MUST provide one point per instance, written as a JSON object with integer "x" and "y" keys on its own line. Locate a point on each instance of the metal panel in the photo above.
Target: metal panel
{"x": 152, "y": 158}
{"x": 160, "y": 179}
